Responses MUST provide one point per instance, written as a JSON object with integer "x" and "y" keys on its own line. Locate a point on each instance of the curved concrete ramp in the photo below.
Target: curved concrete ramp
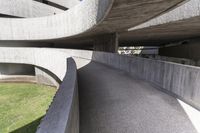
{"x": 181, "y": 23}
{"x": 89, "y": 17}
{"x": 113, "y": 102}
{"x": 26, "y": 8}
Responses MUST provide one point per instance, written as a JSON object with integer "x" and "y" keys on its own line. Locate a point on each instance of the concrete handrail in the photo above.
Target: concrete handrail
{"x": 76, "y": 20}
{"x": 63, "y": 114}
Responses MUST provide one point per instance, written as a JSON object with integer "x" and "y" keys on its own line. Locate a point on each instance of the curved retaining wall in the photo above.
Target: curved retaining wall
{"x": 49, "y": 59}
{"x": 63, "y": 114}
{"x": 45, "y": 77}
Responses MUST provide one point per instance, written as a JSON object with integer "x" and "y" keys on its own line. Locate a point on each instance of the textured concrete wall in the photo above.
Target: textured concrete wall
{"x": 66, "y": 3}
{"x": 185, "y": 10}
{"x": 178, "y": 23}
{"x": 26, "y": 8}
{"x": 177, "y": 79}
{"x": 17, "y": 73}
{"x": 90, "y": 17}
{"x": 45, "y": 77}
{"x": 173, "y": 59}
{"x": 63, "y": 114}
{"x": 52, "y": 60}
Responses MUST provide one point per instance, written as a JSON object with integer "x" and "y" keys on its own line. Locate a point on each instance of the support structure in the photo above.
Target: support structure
{"x": 106, "y": 43}
{"x": 188, "y": 49}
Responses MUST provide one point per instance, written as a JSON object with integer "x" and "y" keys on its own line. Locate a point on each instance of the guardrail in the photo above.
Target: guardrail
{"x": 63, "y": 114}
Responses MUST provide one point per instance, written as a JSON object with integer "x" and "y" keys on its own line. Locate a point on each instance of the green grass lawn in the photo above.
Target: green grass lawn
{"x": 22, "y": 106}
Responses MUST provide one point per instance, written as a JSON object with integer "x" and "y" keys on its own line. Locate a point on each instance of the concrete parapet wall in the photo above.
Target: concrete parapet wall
{"x": 77, "y": 20}
{"x": 63, "y": 114}
{"x": 182, "y": 81}
{"x": 173, "y": 59}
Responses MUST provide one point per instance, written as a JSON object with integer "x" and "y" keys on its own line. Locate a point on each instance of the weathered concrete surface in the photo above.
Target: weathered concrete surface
{"x": 185, "y": 10}
{"x": 49, "y": 59}
{"x": 174, "y": 59}
{"x": 63, "y": 114}
{"x": 45, "y": 77}
{"x": 88, "y": 18}
{"x": 178, "y": 24}
{"x": 75, "y": 21}
{"x": 113, "y": 102}
{"x": 26, "y": 8}
{"x": 66, "y": 3}
{"x": 106, "y": 43}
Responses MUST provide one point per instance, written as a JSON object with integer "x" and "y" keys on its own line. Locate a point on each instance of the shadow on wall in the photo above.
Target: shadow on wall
{"x": 29, "y": 128}
{"x": 16, "y": 72}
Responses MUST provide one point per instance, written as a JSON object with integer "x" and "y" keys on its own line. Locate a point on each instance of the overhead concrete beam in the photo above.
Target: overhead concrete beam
{"x": 179, "y": 23}
{"x": 186, "y": 10}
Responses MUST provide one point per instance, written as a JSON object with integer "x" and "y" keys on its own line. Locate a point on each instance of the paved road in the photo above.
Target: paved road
{"x": 111, "y": 101}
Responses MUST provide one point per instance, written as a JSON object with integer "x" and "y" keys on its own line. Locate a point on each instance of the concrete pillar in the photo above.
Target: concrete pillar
{"x": 106, "y": 43}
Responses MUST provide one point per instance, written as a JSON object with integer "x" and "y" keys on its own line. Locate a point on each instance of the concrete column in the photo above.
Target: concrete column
{"x": 106, "y": 43}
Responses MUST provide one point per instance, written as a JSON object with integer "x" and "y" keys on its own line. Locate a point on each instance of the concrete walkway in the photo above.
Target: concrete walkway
{"x": 113, "y": 102}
